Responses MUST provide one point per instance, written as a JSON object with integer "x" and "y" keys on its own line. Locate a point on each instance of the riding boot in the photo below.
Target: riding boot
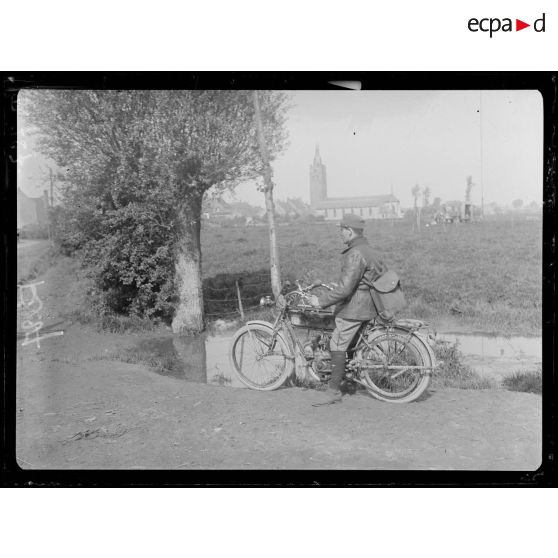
{"x": 333, "y": 393}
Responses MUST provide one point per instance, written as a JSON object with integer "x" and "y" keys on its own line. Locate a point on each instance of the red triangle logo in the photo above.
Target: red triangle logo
{"x": 519, "y": 25}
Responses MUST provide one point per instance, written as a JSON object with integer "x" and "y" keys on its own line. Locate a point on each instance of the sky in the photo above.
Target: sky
{"x": 376, "y": 142}
{"x": 373, "y": 141}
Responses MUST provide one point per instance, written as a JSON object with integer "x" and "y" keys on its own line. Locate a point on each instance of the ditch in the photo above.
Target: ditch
{"x": 205, "y": 358}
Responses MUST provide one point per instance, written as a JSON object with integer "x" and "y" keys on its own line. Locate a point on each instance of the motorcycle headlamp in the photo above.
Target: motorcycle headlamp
{"x": 266, "y": 301}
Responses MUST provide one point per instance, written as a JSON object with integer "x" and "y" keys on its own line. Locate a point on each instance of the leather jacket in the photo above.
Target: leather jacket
{"x": 352, "y": 296}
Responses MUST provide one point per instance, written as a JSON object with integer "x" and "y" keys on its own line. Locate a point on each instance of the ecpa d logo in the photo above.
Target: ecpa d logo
{"x": 494, "y": 24}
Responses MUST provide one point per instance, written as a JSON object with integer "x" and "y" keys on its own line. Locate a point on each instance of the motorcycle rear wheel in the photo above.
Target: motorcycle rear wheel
{"x": 397, "y": 366}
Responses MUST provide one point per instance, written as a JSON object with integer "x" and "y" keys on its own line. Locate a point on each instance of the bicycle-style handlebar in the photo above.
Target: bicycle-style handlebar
{"x": 300, "y": 291}
{"x": 313, "y": 285}
{"x": 303, "y": 292}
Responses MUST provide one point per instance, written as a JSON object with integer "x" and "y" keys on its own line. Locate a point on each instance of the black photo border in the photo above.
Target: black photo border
{"x": 545, "y": 82}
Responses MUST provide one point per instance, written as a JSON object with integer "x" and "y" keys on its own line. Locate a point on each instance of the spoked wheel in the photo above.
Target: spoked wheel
{"x": 396, "y": 366}
{"x": 261, "y": 362}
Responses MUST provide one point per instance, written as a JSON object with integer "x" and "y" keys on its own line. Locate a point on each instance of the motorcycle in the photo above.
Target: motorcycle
{"x": 393, "y": 361}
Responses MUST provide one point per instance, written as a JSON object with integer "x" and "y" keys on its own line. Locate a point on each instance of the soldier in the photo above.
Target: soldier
{"x": 360, "y": 267}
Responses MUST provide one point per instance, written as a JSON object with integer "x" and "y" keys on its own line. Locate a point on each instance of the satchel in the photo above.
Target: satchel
{"x": 387, "y": 295}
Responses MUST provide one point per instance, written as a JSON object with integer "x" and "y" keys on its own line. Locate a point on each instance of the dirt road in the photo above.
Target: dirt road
{"x": 76, "y": 410}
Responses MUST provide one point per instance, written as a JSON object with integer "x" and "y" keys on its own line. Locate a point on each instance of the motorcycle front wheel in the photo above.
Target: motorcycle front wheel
{"x": 261, "y": 362}
{"x": 396, "y": 366}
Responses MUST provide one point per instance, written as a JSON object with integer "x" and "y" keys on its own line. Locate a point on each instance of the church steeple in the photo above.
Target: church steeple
{"x": 318, "y": 181}
{"x": 317, "y": 158}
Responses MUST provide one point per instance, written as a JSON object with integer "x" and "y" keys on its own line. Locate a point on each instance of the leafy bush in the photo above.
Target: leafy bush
{"x": 125, "y": 251}
{"x": 453, "y": 372}
{"x": 132, "y": 263}
{"x": 530, "y": 382}
{"x": 68, "y": 229}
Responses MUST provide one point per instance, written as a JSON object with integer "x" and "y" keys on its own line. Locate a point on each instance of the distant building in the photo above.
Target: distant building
{"x": 302, "y": 209}
{"x": 217, "y": 209}
{"x": 283, "y": 209}
{"x": 368, "y": 207}
{"x": 292, "y": 207}
{"x": 31, "y": 211}
{"x": 247, "y": 211}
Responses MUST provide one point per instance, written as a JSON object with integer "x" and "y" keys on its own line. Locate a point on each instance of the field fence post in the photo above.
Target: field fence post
{"x": 240, "y": 308}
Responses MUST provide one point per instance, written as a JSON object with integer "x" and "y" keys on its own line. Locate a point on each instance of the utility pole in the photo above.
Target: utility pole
{"x": 49, "y": 209}
{"x": 481, "y": 156}
{"x": 51, "y": 189}
{"x": 48, "y": 215}
{"x": 269, "y": 205}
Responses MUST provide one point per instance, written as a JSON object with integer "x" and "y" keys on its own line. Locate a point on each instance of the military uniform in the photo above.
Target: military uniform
{"x": 353, "y": 299}
{"x": 361, "y": 265}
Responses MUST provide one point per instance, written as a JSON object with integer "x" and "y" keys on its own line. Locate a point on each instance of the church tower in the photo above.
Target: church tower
{"x": 318, "y": 183}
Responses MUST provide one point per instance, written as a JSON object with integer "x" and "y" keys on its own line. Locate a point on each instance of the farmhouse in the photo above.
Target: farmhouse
{"x": 369, "y": 207}
{"x": 292, "y": 207}
{"x": 218, "y": 210}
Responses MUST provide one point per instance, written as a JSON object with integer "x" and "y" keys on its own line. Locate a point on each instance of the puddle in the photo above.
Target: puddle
{"x": 493, "y": 346}
{"x": 203, "y": 359}
{"x": 497, "y": 357}
{"x": 217, "y": 361}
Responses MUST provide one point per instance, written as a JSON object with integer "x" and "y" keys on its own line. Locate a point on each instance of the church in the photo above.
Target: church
{"x": 384, "y": 206}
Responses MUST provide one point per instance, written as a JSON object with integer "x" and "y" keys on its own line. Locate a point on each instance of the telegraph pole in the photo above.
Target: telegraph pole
{"x": 51, "y": 189}
{"x": 269, "y": 205}
{"x": 481, "y": 156}
{"x": 49, "y": 209}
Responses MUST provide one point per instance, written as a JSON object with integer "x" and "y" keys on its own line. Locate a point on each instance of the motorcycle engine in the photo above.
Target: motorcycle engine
{"x": 322, "y": 362}
{"x": 320, "y": 357}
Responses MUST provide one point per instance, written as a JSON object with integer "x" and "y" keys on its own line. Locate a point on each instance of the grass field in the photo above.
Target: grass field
{"x": 299, "y": 243}
{"x": 486, "y": 276}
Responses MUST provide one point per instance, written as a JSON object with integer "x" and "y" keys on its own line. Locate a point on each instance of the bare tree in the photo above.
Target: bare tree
{"x": 426, "y": 197}
{"x": 470, "y": 185}
{"x": 269, "y": 205}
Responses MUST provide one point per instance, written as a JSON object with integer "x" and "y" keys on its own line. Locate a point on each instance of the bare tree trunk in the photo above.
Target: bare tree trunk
{"x": 269, "y": 205}
{"x": 189, "y": 316}
{"x": 273, "y": 251}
